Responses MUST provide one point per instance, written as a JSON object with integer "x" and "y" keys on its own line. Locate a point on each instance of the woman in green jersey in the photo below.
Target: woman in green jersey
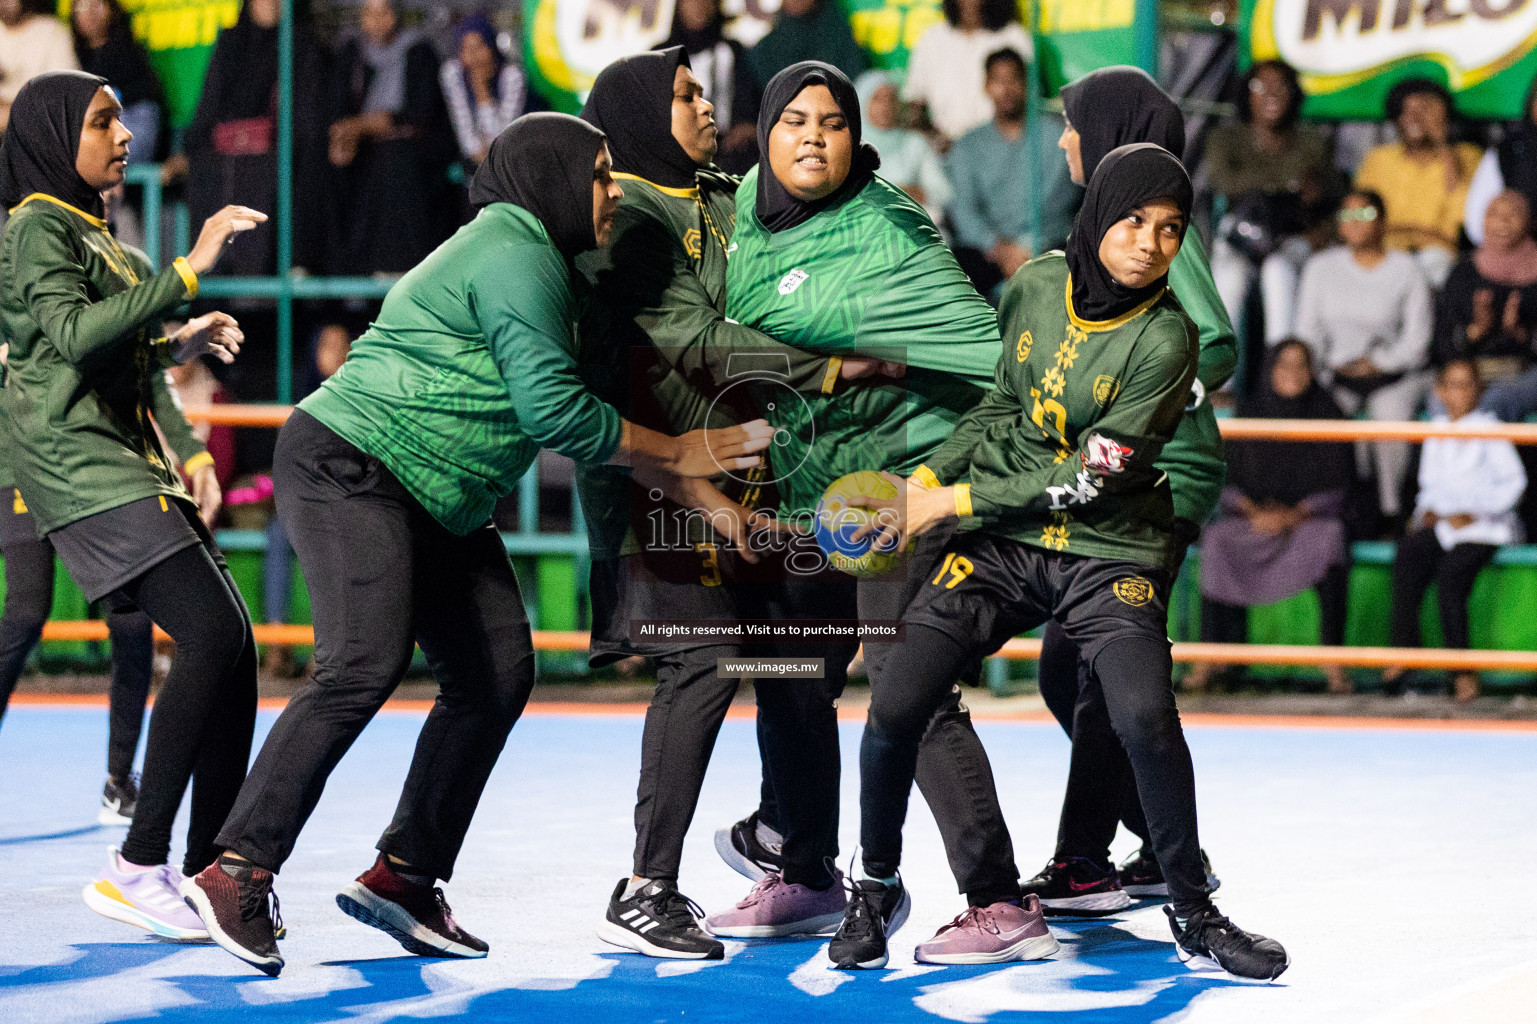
{"x": 85, "y": 374}
{"x": 831, "y": 258}
{"x": 1106, "y": 109}
{"x": 385, "y": 482}
{"x": 1065, "y": 514}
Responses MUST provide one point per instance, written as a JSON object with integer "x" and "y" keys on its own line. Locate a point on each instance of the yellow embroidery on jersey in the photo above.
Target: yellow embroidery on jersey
{"x": 1022, "y": 347}
{"x": 691, "y": 239}
{"x": 1063, "y": 454}
{"x": 1053, "y": 382}
{"x": 1133, "y": 590}
{"x": 1106, "y": 388}
{"x": 709, "y": 561}
{"x": 1056, "y": 534}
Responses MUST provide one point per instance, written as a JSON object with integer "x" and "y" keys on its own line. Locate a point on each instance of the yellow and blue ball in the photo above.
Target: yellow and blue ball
{"x": 837, "y": 518}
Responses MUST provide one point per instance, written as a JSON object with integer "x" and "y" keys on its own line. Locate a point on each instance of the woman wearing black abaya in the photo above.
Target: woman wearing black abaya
{"x": 385, "y": 482}
{"x": 85, "y": 372}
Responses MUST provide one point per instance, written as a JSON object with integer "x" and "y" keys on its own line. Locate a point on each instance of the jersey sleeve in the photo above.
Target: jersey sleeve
{"x": 527, "y": 321}
{"x": 1115, "y": 453}
{"x": 1191, "y": 282}
{"x": 179, "y": 433}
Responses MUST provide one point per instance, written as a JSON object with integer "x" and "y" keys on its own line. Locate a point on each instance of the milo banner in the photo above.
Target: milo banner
{"x": 179, "y": 36}
{"x": 567, "y": 42}
{"x": 1351, "y": 52}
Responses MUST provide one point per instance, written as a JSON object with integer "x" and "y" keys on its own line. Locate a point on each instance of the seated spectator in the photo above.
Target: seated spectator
{"x": 1281, "y": 529}
{"x": 231, "y": 144}
{"x": 1422, "y": 178}
{"x": 1488, "y": 311}
{"x": 393, "y": 144}
{"x": 994, "y": 212}
{"x": 808, "y": 30}
{"x": 1365, "y": 312}
{"x": 33, "y": 41}
{"x": 946, "y": 69}
{"x": 1465, "y": 512}
{"x": 1511, "y": 164}
{"x": 485, "y": 93}
{"x": 907, "y": 159}
{"x": 1274, "y": 175}
{"x": 105, "y": 46}
{"x": 724, "y": 69}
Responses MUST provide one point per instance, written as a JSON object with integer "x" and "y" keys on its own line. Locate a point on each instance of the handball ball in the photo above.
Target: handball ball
{"x": 837, "y": 519}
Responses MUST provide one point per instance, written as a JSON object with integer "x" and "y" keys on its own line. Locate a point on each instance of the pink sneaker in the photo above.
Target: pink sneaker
{"x": 149, "y": 899}
{"x": 991, "y": 935}
{"x": 775, "y": 907}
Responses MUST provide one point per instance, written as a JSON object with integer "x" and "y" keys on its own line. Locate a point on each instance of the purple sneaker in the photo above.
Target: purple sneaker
{"x": 991, "y": 935}
{"x": 775, "y": 907}
{"x": 149, "y": 899}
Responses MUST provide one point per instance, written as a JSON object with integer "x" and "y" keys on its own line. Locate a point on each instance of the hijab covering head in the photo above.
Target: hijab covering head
{"x": 695, "y": 40}
{"x": 543, "y": 163}
{"x": 43, "y": 140}
{"x": 1515, "y": 267}
{"x": 480, "y": 25}
{"x": 1288, "y": 471}
{"x": 1129, "y": 177}
{"x": 631, "y": 103}
{"x": 1116, "y": 106}
{"x": 777, "y": 209}
{"x": 1517, "y": 153}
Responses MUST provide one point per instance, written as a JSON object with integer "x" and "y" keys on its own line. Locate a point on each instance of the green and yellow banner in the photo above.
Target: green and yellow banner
{"x": 1349, "y": 53}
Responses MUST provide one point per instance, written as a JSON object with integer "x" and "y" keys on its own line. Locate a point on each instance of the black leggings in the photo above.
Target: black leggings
{"x": 28, "y": 600}
{"x": 1228, "y": 623}
{"x": 1421, "y": 561}
{"x": 205, "y": 713}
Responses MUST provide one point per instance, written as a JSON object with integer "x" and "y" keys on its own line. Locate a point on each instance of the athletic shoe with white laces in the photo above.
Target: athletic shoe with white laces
{"x": 660, "y": 921}
{"x": 993, "y": 934}
{"x": 149, "y": 898}
{"x": 119, "y": 799}
{"x": 775, "y": 908}
{"x": 874, "y": 913}
{"x": 745, "y": 852}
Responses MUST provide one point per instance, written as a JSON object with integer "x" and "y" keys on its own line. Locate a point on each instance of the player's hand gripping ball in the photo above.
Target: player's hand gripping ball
{"x": 838, "y": 517}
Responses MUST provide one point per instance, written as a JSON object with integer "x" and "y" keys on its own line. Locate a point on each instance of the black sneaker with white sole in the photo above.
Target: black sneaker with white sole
{"x": 875, "y": 911}
{"x": 238, "y": 907}
{"x": 1142, "y": 878}
{"x": 1209, "y": 941}
{"x": 658, "y": 920}
{"x": 1077, "y": 887}
{"x": 743, "y": 852}
{"x": 119, "y": 799}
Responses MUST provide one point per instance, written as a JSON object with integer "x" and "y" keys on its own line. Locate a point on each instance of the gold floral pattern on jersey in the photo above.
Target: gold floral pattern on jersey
{"x": 1063, "y": 454}
{"x": 1055, "y": 535}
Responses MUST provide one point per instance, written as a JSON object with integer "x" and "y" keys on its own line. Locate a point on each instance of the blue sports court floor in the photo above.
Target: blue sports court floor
{"x": 1395, "y": 864}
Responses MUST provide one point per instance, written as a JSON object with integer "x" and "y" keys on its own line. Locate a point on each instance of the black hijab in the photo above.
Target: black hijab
{"x": 1125, "y": 179}
{"x": 1116, "y": 106}
{"x": 777, "y": 209}
{"x": 1518, "y": 153}
{"x": 543, "y": 163}
{"x": 1288, "y": 471}
{"x": 631, "y": 103}
{"x": 43, "y": 140}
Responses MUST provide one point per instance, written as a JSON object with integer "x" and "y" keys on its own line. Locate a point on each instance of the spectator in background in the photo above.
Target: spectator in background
{"x": 808, "y": 30}
{"x": 994, "y": 212}
{"x": 1274, "y": 174}
{"x": 1281, "y": 528}
{"x": 1423, "y": 178}
{"x": 946, "y": 71}
{"x": 1488, "y": 310}
{"x": 194, "y": 384}
{"x": 485, "y": 93}
{"x": 1465, "y": 512}
{"x": 723, "y": 67}
{"x": 105, "y": 46}
{"x": 1511, "y": 164}
{"x": 1365, "y": 311}
{"x": 32, "y": 41}
{"x": 392, "y": 142}
{"x": 907, "y": 159}
{"x": 231, "y": 144}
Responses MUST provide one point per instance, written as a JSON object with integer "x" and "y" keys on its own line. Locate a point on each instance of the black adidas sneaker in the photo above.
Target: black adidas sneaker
{"x": 658, "y": 921}
{"x": 874, "y": 912}
{"x": 1077, "y": 887}
{"x": 1209, "y": 941}
{"x": 743, "y": 852}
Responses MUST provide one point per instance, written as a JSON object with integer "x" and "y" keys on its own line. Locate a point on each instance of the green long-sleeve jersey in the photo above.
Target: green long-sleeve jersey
{"x": 655, "y": 342}
{"x": 1193, "y": 459}
{"x": 1063, "y": 453}
{"x": 86, "y": 370}
{"x": 871, "y": 275}
{"x": 470, "y": 369}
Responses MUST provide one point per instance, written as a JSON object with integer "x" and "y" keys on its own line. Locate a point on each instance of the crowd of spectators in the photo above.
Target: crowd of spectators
{"x": 1388, "y": 281}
